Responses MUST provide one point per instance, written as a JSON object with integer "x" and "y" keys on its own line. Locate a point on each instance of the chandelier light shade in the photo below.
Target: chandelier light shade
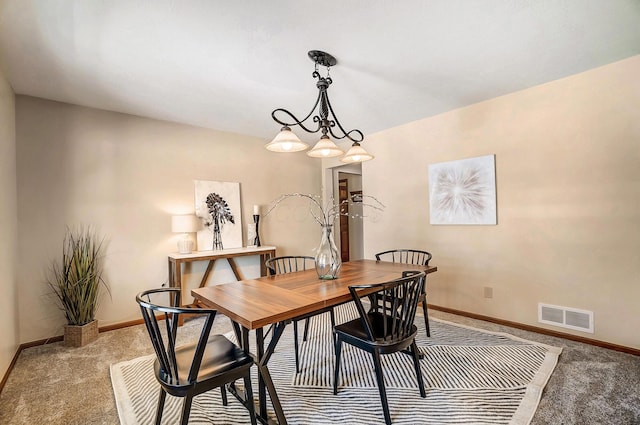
{"x": 321, "y": 119}
{"x": 325, "y": 148}
{"x": 356, "y": 154}
{"x": 286, "y": 141}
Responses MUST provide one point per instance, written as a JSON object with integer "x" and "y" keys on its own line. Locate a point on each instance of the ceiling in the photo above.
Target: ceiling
{"x": 227, "y": 64}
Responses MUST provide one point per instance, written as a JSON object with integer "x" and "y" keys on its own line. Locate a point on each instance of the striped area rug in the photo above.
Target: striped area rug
{"x": 471, "y": 377}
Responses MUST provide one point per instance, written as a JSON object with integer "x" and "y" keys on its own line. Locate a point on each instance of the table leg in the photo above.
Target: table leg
{"x": 264, "y": 371}
{"x": 235, "y": 269}
{"x": 170, "y": 268}
{"x": 205, "y": 276}
{"x": 236, "y": 330}
{"x": 261, "y": 358}
{"x": 203, "y": 281}
{"x": 175, "y": 281}
{"x": 262, "y": 394}
{"x": 263, "y": 259}
{"x": 177, "y": 275}
{"x": 263, "y": 267}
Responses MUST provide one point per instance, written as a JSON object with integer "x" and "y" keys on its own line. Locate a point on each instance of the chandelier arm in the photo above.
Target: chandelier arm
{"x": 290, "y": 124}
{"x": 358, "y": 136}
{"x": 325, "y": 117}
{"x": 295, "y": 119}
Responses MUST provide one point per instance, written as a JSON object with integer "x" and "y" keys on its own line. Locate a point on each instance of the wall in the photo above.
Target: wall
{"x": 127, "y": 175}
{"x": 8, "y": 226}
{"x": 568, "y": 198}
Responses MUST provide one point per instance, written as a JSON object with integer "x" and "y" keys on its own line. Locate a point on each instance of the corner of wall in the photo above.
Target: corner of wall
{"x": 8, "y": 226}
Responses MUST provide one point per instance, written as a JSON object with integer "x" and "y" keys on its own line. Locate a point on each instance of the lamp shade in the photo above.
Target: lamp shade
{"x": 184, "y": 223}
{"x": 286, "y": 141}
{"x": 356, "y": 154}
{"x": 325, "y": 148}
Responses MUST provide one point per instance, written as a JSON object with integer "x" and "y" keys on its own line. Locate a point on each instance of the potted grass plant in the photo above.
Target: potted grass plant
{"x": 77, "y": 282}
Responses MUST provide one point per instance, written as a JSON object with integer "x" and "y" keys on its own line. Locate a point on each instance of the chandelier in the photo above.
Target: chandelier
{"x": 324, "y": 117}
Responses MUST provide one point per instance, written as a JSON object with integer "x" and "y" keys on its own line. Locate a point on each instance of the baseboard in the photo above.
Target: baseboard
{"x": 543, "y": 331}
{"x": 59, "y": 338}
{"x": 121, "y": 325}
{"x": 10, "y": 368}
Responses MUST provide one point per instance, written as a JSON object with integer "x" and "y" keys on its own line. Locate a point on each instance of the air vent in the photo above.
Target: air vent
{"x": 551, "y": 315}
{"x": 566, "y": 317}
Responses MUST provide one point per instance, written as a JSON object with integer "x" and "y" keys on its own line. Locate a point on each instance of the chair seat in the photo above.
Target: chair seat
{"x": 220, "y": 356}
{"x": 355, "y": 330}
{"x": 385, "y": 329}
{"x": 213, "y": 361}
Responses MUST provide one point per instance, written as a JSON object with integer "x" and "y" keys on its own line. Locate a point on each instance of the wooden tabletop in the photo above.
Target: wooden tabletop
{"x": 255, "y": 303}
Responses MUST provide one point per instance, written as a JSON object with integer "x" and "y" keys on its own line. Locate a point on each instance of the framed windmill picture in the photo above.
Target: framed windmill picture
{"x": 218, "y": 206}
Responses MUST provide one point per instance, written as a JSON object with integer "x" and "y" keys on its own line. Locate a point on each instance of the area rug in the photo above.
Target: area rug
{"x": 471, "y": 377}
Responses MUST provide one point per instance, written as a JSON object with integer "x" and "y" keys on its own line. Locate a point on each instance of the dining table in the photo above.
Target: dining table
{"x": 253, "y": 304}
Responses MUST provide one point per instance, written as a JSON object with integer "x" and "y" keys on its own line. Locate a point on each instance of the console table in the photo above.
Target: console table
{"x": 176, "y": 260}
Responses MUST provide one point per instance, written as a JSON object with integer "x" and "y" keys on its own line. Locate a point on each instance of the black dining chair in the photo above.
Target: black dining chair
{"x": 193, "y": 368}
{"x": 410, "y": 256}
{"x": 385, "y": 328}
{"x": 290, "y": 264}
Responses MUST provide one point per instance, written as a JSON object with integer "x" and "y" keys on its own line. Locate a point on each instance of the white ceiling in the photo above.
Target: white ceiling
{"x": 227, "y": 64}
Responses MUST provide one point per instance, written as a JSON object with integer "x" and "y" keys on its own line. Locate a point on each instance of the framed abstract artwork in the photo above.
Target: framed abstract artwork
{"x": 218, "y": 206}
{"x": 463, "y": 191}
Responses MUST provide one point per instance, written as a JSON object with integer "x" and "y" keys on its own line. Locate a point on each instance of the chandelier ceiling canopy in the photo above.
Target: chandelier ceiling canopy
{"x": 321, "y": 119}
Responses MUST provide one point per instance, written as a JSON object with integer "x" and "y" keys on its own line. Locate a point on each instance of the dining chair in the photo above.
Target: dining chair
{"x": 410, "y": 256}
{"x": 193, "y": 368}
{"x": 290, "y": 264}
{"x": 386, "y": 328}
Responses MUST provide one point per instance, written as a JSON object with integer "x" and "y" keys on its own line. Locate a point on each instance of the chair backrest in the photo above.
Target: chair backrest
{"x": 406, "y": 256}
{"x": 391, "y": 318}
{"x": 161, "y": 305}
{"x": 289, "y": 264}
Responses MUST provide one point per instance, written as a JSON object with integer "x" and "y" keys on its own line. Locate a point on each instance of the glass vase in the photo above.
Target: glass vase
{"x": 328, "y": 260}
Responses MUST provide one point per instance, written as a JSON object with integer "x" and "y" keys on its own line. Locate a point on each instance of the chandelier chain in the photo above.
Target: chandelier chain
{"x": 326, "y": 118}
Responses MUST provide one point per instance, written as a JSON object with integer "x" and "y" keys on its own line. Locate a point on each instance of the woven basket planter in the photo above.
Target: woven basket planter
{"x": 79, "y": 336}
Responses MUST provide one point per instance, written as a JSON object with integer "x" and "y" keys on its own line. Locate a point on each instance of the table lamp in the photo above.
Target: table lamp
{"x": 184, "y": 224}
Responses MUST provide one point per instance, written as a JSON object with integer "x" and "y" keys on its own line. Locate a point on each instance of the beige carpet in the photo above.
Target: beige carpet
{"x": 57, "y": 385}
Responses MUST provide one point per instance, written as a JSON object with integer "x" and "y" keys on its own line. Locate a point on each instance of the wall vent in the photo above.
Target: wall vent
{"x": 566, "y": 317}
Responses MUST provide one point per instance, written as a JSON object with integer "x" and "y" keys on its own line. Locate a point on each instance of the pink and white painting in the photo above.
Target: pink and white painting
{"x": 463, "y": 191}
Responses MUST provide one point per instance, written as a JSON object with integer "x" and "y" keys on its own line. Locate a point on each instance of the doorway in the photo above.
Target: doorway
{"x": 343, "y": 196}
{"x": 341, "y": 183}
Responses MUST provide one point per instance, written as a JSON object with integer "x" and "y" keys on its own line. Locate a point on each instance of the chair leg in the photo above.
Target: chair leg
{"x": 248, "y": 396}
{"x": 381, "y": 388}
{"x": 223, "y": 392}
{"x": 333, "y": 319}
{"x": 295, "y": 345}
{"x": 186, "y": 409}
{"x": 426, "y": 317}
{"x": 416, "y": 364}
{"x": 161, "y": 399}
{"x": 336, "y": 370}
{"x": 306, "y": 329}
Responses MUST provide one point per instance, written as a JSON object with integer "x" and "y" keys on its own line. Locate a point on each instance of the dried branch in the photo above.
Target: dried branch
{"x": 331, "y": 211}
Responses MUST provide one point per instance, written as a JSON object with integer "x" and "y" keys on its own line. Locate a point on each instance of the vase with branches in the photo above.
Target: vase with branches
{"x": 328, "y": 261}
{"x": 76, "y": 279}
